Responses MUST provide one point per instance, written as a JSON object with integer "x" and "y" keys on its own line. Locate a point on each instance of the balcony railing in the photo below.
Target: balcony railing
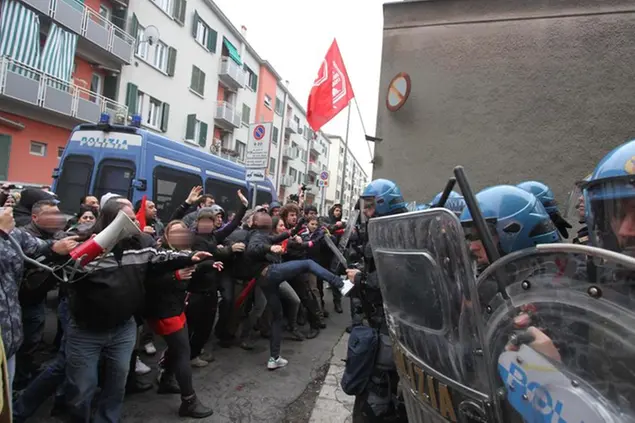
{"x": 292, "y": 126}
{"x": 287, "y": 180}
{"x": 226, "y": 116}
{"x": 32, "y": 86}
{"x": 314, "y": 168}
{"x": 315, "y": 147}
{"x": 89, "y": 24}
{"x": 291, "y": 153}
{"x": 231, "y": 74}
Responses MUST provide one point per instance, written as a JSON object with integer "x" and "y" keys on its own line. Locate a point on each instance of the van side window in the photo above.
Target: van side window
{"x": 170, "y": 188}
{"x": 114, "y": 176}
{"x": 225, "y": 193}
{"x": 74, "y": 182}
{"x": 263, "y": 197}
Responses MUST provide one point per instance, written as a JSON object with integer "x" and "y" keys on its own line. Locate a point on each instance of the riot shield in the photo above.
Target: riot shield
{"x": 426, "y": 279}
{"x": 561, "y": 346}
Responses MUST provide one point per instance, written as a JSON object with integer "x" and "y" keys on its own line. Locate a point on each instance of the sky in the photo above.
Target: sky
{"x": 294, "y": 37}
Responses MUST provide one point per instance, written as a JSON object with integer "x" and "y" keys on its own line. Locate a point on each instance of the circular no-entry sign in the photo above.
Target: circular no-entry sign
{"x": 324, "y": 175}
{"x": 259, "y": 132}
{"x": 398, "y": 91}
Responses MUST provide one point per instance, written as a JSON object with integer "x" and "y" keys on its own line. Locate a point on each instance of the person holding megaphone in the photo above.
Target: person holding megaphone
{"x": 105, "y": 293}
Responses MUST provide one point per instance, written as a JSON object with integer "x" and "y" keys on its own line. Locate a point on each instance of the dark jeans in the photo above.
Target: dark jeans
{"x": 50, "y": 380}
{"x": 200, "y": 314}
{"x": 33, "y": 319}
{"x": 177, "y": 360}
{"x": 272, "y": 294}
{"x": 300, "y": 285}
{"x": 289, "y": 270}
{"x": 84, "y": 348}
{"x": 226, "y": 307}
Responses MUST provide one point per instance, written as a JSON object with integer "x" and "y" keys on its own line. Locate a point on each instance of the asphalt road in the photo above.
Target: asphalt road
{"x": 238, "y": 385}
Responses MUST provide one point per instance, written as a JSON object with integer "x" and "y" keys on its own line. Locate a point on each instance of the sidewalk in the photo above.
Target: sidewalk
{"x": 332, "y": 404}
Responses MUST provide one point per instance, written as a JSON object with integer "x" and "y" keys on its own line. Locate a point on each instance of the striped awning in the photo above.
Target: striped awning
{"x": 19, "y": 33}
{"x": 59, "y": 53}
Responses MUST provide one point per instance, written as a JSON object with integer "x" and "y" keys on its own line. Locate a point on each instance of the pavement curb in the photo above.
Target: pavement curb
{"x": 332, "y": 404}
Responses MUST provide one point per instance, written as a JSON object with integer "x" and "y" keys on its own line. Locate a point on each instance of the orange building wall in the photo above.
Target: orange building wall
{"x": 267, "y": 84}
{"x": 24, "y": 167}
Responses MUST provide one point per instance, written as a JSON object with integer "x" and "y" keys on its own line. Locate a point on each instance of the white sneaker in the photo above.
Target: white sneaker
{"x": 274, "y": 363}
{"x": 150, "y": 349}
{"x": 141, "y": 368}
{"x": 198, "y": 362}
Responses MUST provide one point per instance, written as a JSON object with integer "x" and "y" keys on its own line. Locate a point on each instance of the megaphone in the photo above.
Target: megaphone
{"x": 120, "y": 228}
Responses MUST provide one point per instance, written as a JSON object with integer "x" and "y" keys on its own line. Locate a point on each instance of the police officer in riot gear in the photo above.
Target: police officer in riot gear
{"x": 455, "y": 202}
{"x": 373, "y": 382}
{"x": 544, "y": 194}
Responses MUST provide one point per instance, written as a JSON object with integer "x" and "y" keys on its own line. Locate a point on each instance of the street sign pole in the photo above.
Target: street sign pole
{"x": 254, "y": 194}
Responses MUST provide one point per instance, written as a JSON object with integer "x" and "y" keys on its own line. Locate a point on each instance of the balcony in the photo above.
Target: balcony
{"x": 29, "y": 91}
{"x": 292, "y": 126}
{"x": 290, "y": 153}
{"x": 226, "y": 116}
{"x": 315, "y": 147}
{"x": 231, "y": 75}
{"x": 287, "y": 181}
{"x": 115, "y": 46}
{"x": 314, "y": 168}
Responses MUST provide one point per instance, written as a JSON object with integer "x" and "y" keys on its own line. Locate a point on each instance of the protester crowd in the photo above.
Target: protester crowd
{"x": 255, "y": 273}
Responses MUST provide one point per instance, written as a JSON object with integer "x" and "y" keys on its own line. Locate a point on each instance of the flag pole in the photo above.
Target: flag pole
{"x": 348, "y": 121}
{"x": 359, "y": 113}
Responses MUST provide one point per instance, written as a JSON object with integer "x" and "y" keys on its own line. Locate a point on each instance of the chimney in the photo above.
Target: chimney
{"x": 243, "y": 31}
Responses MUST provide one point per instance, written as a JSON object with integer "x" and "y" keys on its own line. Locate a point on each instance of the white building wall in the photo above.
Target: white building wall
{"x": 276, "y": 147}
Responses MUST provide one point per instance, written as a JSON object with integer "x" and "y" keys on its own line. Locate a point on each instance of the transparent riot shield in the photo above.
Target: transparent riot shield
{"x": 426, "y": 276}
{"x": 560, "y": 345}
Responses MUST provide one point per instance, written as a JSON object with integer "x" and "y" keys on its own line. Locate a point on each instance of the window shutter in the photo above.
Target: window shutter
{"x": 194, "y": 24}
{"x": 201, "y": 82}
{"x": 181, "y": 17}
{"x": 274, "y": 135}
{"x": 253, "y": 81}
{"x": 194, "y": 77}
{"x": 202, "y": 134}
{"x": 131, "y": 98}
{"x": 212, "y": 38}
{"x": 165, "y": 117}
{"x": 134, "y": 26}
{"x": 190, "y": 129}
{"x": 246, "y": 114}
{"x": 171, "y": 60}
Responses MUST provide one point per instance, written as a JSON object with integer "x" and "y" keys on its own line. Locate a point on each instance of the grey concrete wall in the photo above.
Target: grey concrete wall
{"x": 512, "y": 90}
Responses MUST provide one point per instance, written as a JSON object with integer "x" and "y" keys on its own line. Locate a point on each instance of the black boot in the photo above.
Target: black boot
{"x": 192, "y": 407}
{"x": 337, "y": 305}
{"x": 136, "y": 387}
{"x": 168, "y": 385}
{"x": 313, "y": 332}
{"x": 324, "y": 312}
{"x": 295, "y": 334}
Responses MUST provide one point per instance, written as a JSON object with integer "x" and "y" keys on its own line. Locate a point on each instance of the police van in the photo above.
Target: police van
{"x": 133, "y": 162}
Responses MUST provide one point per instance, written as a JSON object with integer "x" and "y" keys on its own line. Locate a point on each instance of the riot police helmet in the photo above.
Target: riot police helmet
{"x": 382, "y": 197}
{"x": 515, "y": 217}
{"x": 454, "y": 203}
{"x": 609, "y": 197}
{"x": 542, "y": 192}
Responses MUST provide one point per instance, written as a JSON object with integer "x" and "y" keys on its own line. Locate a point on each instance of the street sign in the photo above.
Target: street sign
{"x": 320, "y": 183}
{"x": 324, "y": 175}
{"x": 398, "y": 92}
{"x": 258, "y": 144}
{"x": 255, "y": 175}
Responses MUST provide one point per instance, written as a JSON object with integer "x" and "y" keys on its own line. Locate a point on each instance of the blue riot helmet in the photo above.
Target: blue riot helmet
{"x": 454, "y": 203}
{"x": 381, "y": 198}
{"x": 544, "y": 194}
{"x": 609, "y": 197}
{"x": 515, "y": 217}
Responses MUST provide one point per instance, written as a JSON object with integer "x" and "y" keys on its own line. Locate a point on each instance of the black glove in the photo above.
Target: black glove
{"x": 561, "y": 224}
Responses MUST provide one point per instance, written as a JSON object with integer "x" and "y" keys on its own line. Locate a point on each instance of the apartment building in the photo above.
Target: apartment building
{"x": 60, "y": 62}
{"x": 355, "y": 178}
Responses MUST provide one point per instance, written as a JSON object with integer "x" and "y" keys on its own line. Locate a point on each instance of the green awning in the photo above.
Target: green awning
{"x": 19, "y": 34}
{"x": 59, "y": 53}
{"x": 233, "y": 53}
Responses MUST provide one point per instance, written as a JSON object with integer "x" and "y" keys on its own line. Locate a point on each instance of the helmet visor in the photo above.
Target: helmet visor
{"x": 611, "y": 214}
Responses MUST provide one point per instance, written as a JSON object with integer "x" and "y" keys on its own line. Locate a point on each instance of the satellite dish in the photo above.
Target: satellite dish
{"x": 151, "y": 34}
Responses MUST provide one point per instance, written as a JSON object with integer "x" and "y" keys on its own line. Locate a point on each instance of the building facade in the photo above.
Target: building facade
{"x": 181, "y": 65}
{"x": 60, "y": 62}
{"x": 355, "y": 178}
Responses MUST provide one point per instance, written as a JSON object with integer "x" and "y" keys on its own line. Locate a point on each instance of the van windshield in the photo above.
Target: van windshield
{"x": 74, "y": 182}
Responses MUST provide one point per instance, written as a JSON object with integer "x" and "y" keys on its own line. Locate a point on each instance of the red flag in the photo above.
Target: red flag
{"x": 141, "y": 214}
{"x": 331, "y": 92}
